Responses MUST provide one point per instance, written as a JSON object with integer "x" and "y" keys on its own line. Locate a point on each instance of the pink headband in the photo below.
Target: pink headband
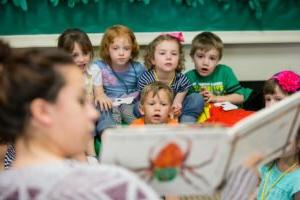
{"x": 289, "y": 81}
{"x": 176, "y": 35}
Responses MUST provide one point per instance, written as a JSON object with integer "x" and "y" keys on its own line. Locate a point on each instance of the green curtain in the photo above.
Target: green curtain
{"x": 94, "y": 16}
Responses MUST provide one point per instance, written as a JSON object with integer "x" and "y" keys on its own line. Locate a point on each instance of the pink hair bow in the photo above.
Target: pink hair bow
{"x": 177, "y": 35}
{"x": 289, "y": 81}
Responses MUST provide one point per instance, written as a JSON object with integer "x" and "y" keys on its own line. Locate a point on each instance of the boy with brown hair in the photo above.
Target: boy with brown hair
{"x": 216, "y": 82}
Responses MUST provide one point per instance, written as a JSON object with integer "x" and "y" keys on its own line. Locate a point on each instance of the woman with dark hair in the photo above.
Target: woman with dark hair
{"x": 44, "y": 112}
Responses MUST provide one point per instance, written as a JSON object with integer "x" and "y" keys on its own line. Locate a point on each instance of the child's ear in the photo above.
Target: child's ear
{"x": 141, "y": 109}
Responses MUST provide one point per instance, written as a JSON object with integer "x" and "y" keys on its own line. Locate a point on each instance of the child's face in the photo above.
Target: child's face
{"x": 156, "y": 109}
{"x": 271, "y": 99}
{"x": 71, "y": 115}
{"x": 81, "y": 59}
{"x": 206, "y": 61}
{"x": 120, "y": 51}
{"x": 166, "y": 56}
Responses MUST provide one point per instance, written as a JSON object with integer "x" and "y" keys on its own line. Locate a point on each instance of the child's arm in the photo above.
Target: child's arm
{"x": 232, "y": 98}
{"x": 177, "y": 103}
{"x": 104, "y": 102}
{"x": 99, "y": 95}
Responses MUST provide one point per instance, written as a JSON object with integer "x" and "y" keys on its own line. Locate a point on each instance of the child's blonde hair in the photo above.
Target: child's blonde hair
{"x": 206, "y": 41}
{"x": 155, "y": 87}
{"x": 110, "y": 34}
{"x": 149, "y": 54}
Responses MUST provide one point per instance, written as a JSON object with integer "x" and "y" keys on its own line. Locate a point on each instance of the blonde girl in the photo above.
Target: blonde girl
{"x": 164, "y": 60}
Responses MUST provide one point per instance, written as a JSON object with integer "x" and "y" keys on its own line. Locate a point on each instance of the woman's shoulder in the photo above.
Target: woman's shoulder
{"x": 67, "y": 177}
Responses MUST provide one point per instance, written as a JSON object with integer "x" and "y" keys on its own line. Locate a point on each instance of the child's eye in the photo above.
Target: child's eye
{"x": 175, "y": 54}
{"x": 74, "y": 55}
{"x": 200, "y": 56}
{"x": 127, "y": 48}
{"x": 267, "y": 99}
{"x": 213, "y": 58}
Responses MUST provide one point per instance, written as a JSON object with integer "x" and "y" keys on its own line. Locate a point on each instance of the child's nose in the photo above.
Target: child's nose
{"x": 80, "y": 58}
{"x": 206, "y": 60}
{"x": 157, "y": 107}
{"x": 121, "y": 51}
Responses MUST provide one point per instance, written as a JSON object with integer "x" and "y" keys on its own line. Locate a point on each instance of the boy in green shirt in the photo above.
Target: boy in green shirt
{"x": 216, "y": 82}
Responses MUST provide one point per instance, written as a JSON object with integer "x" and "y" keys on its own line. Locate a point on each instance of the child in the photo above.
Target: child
{"x": 50, "y": 121}
{"x": 275, "y": 89}
{"x": 78, "y": 45}
{"x": 280, "y": 85}
{"x": 120, "y": 73}
{"x": 280, "y": 179}
{"x": 164, "y": 59}
{"x": 156, "y": 105}
{"x": 216, "y": 82}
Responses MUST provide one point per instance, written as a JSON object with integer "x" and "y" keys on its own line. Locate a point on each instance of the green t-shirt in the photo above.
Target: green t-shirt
{"x": 221, "y": 82}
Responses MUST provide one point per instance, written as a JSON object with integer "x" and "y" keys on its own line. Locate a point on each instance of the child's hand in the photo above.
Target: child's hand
{"x": 104, "y": 102}
{"x": 252, "y": 161}
{"x": 208, "y": 96}
{"x": 176, "y": 108}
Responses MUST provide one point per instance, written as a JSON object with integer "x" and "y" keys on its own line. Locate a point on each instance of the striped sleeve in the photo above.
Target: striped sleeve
{"x": 182, "y": 83}
{"x": 145, "y": 79}
{"x": 9, "y": 156}
{"x": 241, "y": 184}
{"x": 233, "y": 88}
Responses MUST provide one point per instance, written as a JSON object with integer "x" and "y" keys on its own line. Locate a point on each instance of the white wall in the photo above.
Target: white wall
{"x": 259, "y": 61}
{"x": 253, "y": 55}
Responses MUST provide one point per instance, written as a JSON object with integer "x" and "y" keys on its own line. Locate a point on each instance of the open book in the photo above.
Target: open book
{"x": 191, "y": 159}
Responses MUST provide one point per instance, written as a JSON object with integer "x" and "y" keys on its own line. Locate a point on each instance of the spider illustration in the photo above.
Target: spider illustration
{"x": 169, "y": 161}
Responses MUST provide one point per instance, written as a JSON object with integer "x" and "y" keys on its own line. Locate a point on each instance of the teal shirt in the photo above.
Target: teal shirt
{"x": 285, "y": 189}
{"x": 222, "y": 81}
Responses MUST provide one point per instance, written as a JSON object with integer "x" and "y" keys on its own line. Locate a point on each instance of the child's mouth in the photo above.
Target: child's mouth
{"x": 157, "y": 116}
{"x": 82, "y": 67}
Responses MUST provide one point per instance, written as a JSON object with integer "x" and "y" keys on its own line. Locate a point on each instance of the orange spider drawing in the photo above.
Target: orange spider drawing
{"x": 169, "y": 161}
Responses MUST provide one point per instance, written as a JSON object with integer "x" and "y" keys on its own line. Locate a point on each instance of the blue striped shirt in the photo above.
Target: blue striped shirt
{"x": 179, "y": 84}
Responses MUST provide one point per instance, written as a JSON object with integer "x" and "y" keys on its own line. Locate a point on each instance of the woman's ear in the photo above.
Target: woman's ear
{"x": 40, "y": 110}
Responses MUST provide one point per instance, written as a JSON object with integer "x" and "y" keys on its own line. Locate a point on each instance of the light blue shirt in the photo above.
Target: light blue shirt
{"x": 120, "y": 84}
{"x": 285, "y": 189}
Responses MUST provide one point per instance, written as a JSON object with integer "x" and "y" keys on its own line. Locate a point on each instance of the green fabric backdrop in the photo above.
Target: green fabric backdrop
{"x": 42, "y": 17}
